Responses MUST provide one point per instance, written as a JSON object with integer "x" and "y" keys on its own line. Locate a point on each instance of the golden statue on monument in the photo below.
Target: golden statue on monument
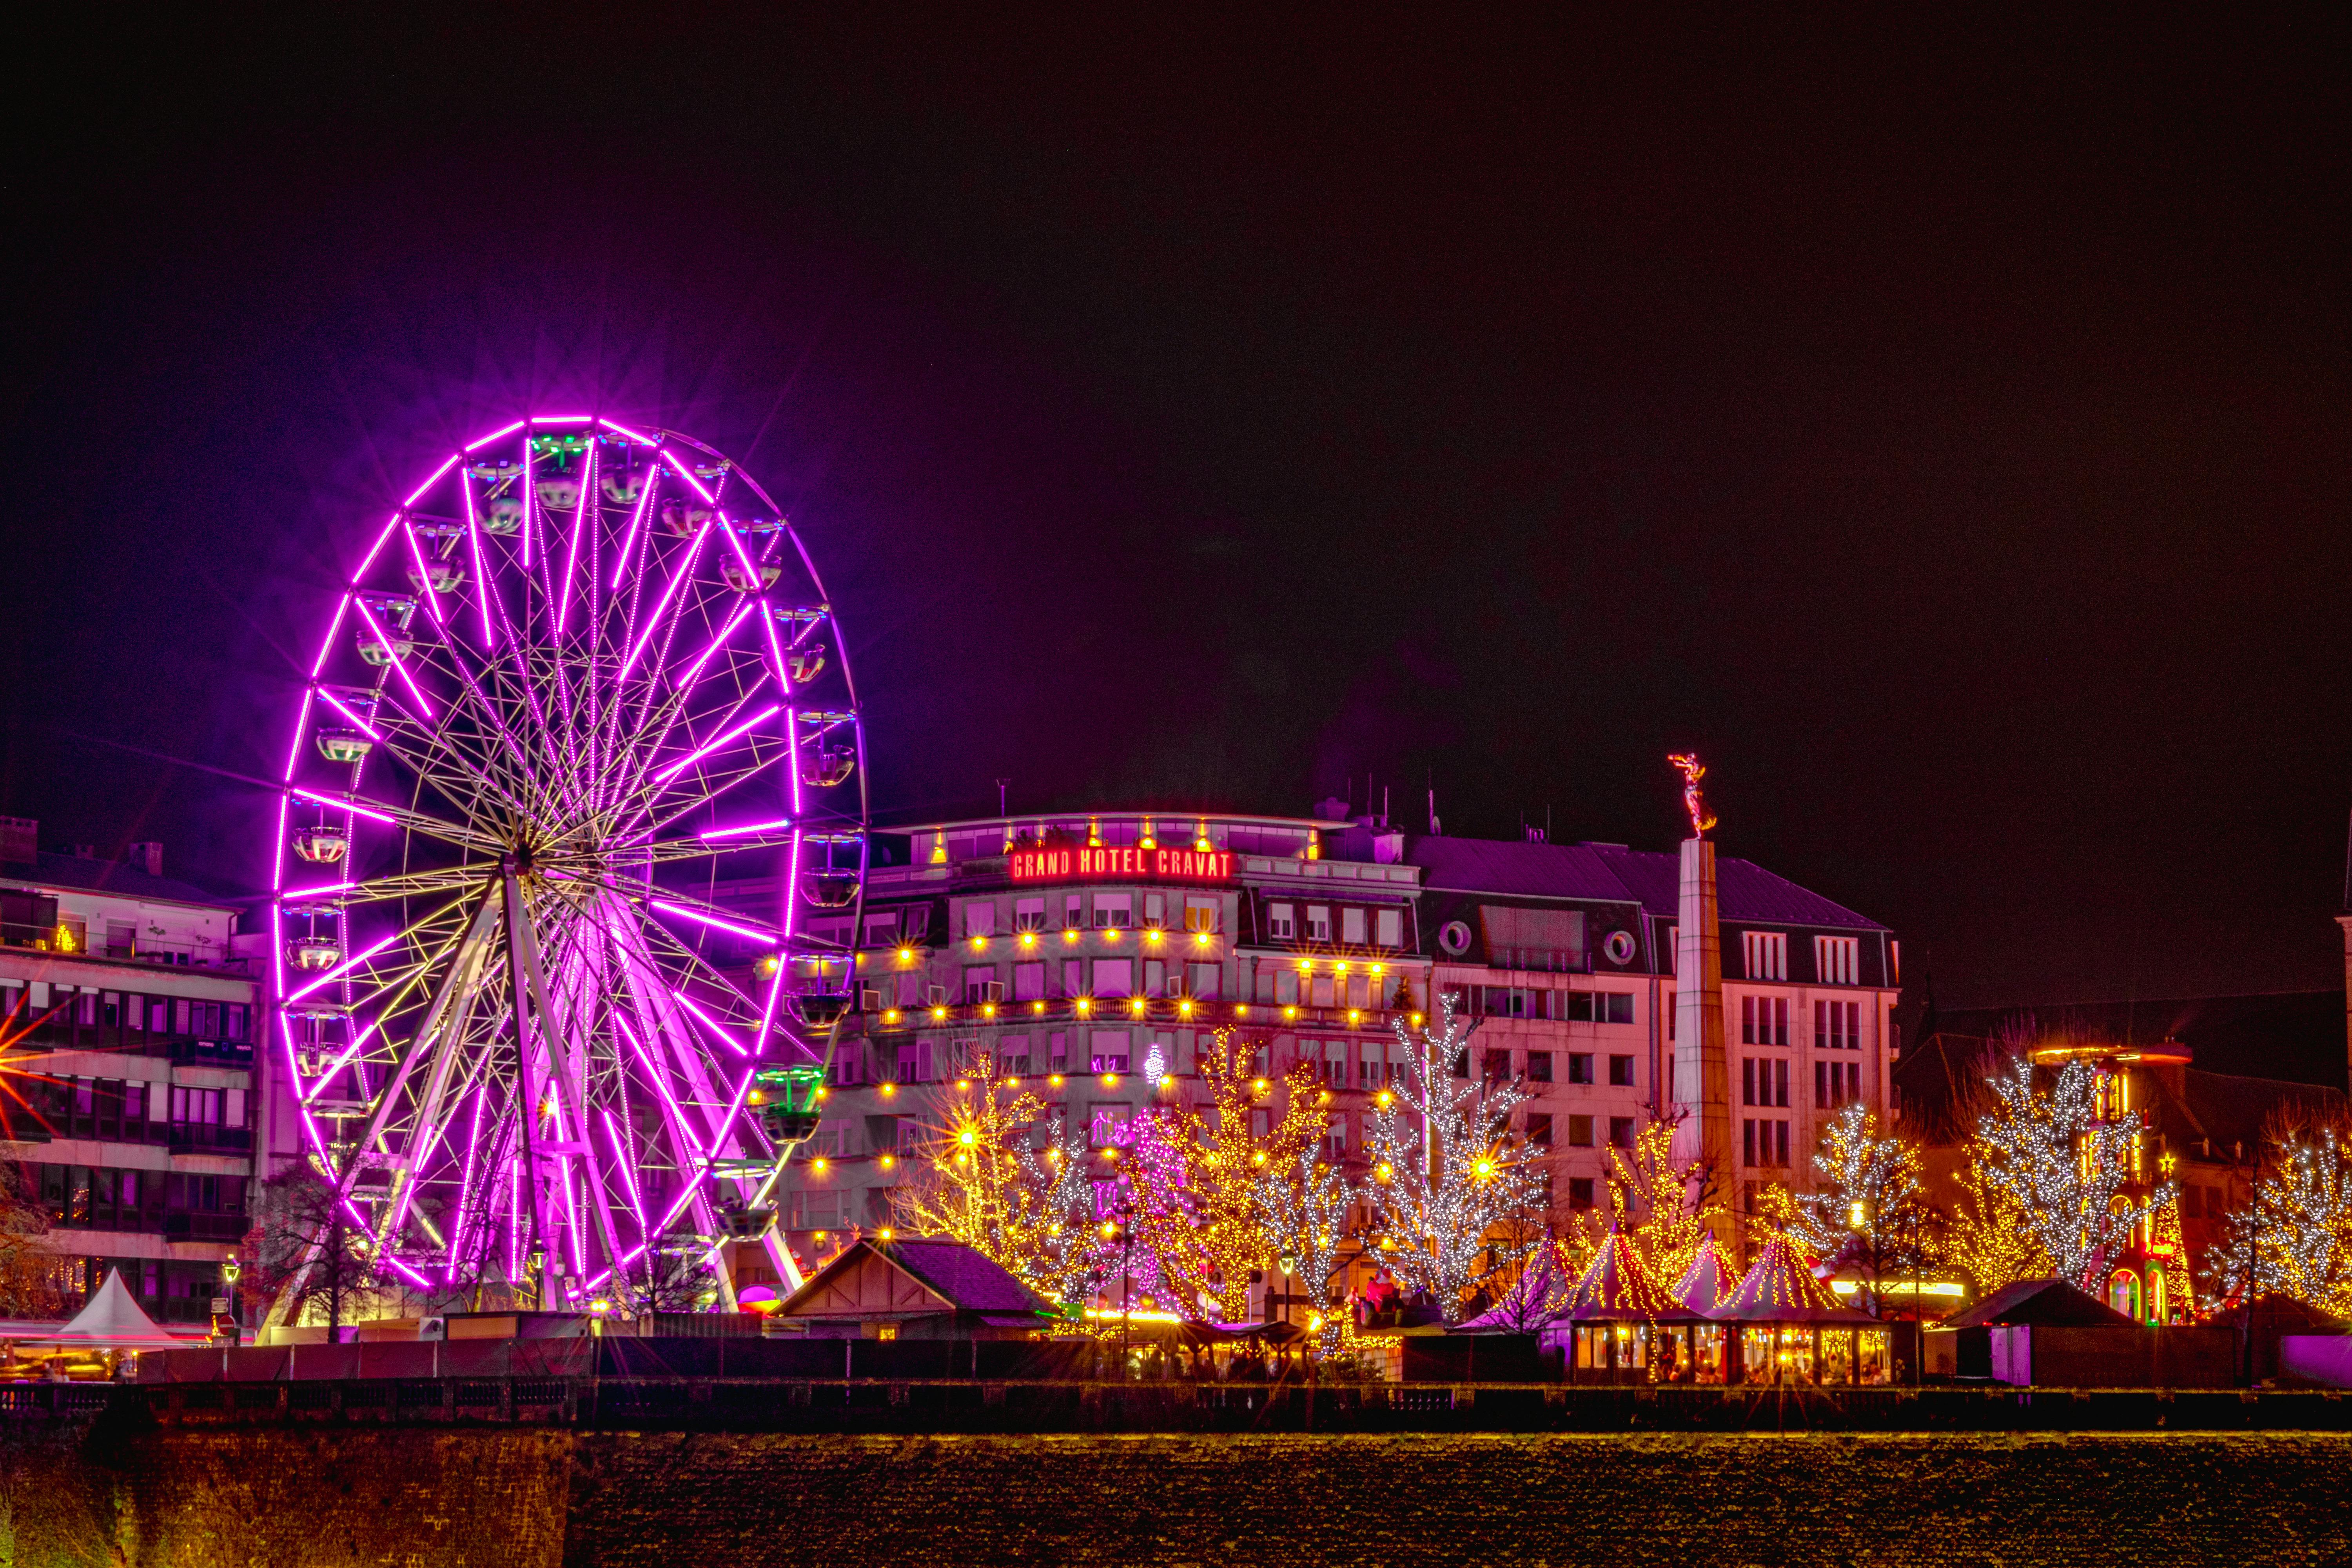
{"x": 1693, "y": 770}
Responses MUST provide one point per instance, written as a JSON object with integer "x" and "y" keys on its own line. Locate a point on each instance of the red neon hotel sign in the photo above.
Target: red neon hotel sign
{"x": 1168, "y": 865}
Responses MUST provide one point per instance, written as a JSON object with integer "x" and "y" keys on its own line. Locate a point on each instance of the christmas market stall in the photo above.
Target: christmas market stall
{"x": 86, "y": 1347}
{"x": 1788, "y": 1328}
{"x": 1620, "y": 1325}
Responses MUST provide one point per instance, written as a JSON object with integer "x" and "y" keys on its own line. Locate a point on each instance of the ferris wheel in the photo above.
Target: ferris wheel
{"x": 569, "y": 852}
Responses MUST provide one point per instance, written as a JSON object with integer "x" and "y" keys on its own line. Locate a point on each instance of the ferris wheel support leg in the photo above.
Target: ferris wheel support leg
{"x": 522, "y": 968}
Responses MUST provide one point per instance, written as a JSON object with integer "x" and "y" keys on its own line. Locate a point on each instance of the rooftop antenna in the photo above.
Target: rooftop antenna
{"x": 1384, "y": 806}
{"x": 1002, "y": 785}
{"x": 1432, "y": 802}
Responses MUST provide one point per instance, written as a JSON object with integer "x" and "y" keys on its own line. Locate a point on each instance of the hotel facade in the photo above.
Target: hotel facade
{"x": 1094, "y": 956}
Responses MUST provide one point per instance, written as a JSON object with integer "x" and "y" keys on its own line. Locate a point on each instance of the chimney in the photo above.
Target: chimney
{"x": 148, "y": 857}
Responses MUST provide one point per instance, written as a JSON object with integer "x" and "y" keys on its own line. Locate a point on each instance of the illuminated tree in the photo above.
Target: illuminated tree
{"x": 1306, "y": 1203}
{"x": 1988, "y": 1237}
{"x": 305, "y": 1256}
{"x": 1444, "y": 1172}
{"x": 2065, "y": 1161}
{"x": 31, "y": 1276}
{"x": 1662, "y": 1210}
{"x": 2293, "y": 1235}
{"x": 1869, "y": 1208}
{"x": 983, "y": 1181}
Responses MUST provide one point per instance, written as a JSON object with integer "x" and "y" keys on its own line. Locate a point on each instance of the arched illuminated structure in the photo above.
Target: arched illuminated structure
{"x": 579, "y": 678}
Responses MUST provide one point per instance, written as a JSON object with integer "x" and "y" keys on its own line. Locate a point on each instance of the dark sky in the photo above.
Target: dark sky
{"x": 1944, "y": 432}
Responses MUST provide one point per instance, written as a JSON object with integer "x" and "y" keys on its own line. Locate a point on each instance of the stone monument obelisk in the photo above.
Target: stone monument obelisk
{"x": 1702, "y": 1081}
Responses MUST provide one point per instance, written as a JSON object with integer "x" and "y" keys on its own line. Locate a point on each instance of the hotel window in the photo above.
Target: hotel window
{"x": 1114, "y": 911}
{"x": 1029, "y": 914}
{"x": 1538, "y": 1129}
{"x": 1836, "y": 1084}
{"x": 1579, "y": 1132}
{"x": 1074, "y": 911}
{"x": 1114, "y": 977}
{"x": 1763, "y": 1082}
{"x": 1538, "y": 1067}
{"x": 1621, "y": 1072}
{"x": 1155, "y": 911}
{"x": 1057, "y": 1058}
{"x": 882, "y": 930}
{"x": 980, "y": 918}
{"x": 1106, "y": 1051}
{"x": 1579, "y": 1067}
{"x": 1155, "y": 982}
{"x": 1351, "y": 927}
{"x": 1202, "y": 982}
{"x": 1837, "y": 960}
{"x": 1074, "y": 977}
{"x": 1764, "y": 955}
{"x": 1201, "y": 914}
{"x": 981, "y": 984}
{"x": 1028, "y": 983}
{"x": 1388, "y": 928}
{"x": 1763, "y": 1143}
{"x": 1318, "y": 924}
{"x": 1279, "y": 924}
{"x": 1285, "y": 987}
{"x": 1763, "y": 1020}
{"x": 1837, "y": 1026}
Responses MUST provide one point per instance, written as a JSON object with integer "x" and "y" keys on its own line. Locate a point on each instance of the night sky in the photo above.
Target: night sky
{"x": 1945, "y": 434}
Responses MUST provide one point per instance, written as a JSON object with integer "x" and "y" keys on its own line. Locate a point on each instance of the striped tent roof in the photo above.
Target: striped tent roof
{"x": 1617, "y": 1287}
{"x": 1779, "y": 1289}
{"x": 1701, "y": 1286}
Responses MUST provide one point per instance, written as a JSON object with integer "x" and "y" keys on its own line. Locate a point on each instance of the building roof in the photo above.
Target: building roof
{"x": 118, "y": 879}
{"x": 1610, "y": 872}
{"x": 2294, "y": 1036}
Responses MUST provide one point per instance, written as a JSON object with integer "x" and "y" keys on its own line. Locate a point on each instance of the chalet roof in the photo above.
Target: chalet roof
{"x": 930, "y": 1277}
{"x": 1701, "y": 1288}
{"x": 963, "y": 1275}
{"x": 2049, "y": 1303}
{"x": 1618, "y": 1287}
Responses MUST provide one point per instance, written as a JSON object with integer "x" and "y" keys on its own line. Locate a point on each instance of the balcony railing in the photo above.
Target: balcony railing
{"x": 205, "y": 1138}
{"x": 191, "y": 1226}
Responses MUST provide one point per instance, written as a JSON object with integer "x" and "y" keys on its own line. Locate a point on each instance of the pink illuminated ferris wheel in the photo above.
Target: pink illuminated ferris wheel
{"x": 570, "y": 848}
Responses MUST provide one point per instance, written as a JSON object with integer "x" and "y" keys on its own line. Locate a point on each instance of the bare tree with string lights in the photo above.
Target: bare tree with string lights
{"x": 2293, "y": 1236}
{"x": 1445, "y": 1173}
{"x": 2064, "y": 1158}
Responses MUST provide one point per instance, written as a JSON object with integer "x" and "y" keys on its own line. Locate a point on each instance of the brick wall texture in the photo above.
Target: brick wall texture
{"x": 259, "y": 1497}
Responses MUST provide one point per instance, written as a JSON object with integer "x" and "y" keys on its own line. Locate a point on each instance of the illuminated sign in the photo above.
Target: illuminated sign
{"x": 1169, "y": 865}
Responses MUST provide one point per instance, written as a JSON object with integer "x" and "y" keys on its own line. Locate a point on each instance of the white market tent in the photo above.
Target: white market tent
{"x": 113, "y": 1321}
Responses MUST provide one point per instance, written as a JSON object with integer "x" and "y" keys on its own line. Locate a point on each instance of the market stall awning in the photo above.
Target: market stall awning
{"x": 1779, "y": 1289}
{"x": 113, "y": 1321}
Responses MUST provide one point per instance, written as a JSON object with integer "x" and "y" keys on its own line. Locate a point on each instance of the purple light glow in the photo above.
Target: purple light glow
{"x": 636, "y": 520}
{"x": 713, "y": 1025}
{"x": 746, "y": 828}
{"x": 503, "y": 431}
{"x": 424, "y": 576}
{"x": 571, "y": 552}
{"x": 327, "y": 645}
{"x": 481, "y": 578}
{"x": 688, "y": 475}
{"x": 625, "y": 432}
{"x": 530, "y": 505}
{"x": 661, "y": 606}
{"x": 318, "y": 892}
{"x": 342, "y": 969}
{"x": 344, "y": 804}
{"x": 369, "y": 559}
{"x": 695, "y": 669}
{"x": 750, "y": 567}
{"x": 669, "y": 908}
{"x": 392, "y": 650}
{"x": 686, "y": 761}
{"x": 336, "y": 702}
{"x": 418, "y": 493}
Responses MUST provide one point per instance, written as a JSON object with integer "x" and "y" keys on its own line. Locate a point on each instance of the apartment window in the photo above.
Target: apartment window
{"x": 1155, "y": 911}
{"x": 1538, "y": 1129}
{"x": 1114, "y": 977}
{"x": 1579, "y": 1132}
{"x": 1614, "y": 1007}
{"x": 1057, "y": 1057}
{"x": 1201, "y": 914}
{"x": 1074, "y": 977}
{"x": 1029, "y": 914}
{"x": 1836, "y": 1083}
{"x": 1351, "y": 927}
{"x": 1114, "y": 911}
{"x": 979, "y": 920}
{"x": 1498, "y": 1065}
{"x": 1388, "y": 928}
{"x": 1580, "y": 1007}
{"x": 1837, "y": 960}
{"x": 1580, "y": 1192}
{"x": 1763, "y": 1020}
{"x": 981, "y": 984}
{"x": 1621, "y": 1072}
{"x": 1621, "y": 1132}
{"x": 1763, "y": 1143}
{"x": 1837, "y": 1026}
{"x": 1748, "y": 1140}
{"x": 1202, "y": 982}
{"x": 1780, "y": 1138}
{"x": 1765, "y": 954}
{"x": 882, "y": 929}
{"x": 1107, "y": 1120}
{"x": 1279, "y": 924}
{"x": 1779, "y": 1088}
{"x": 1028, "y": 981}
{"x": 1108, "y": 1051}
{"x": 1318, "y": 924}
{"x": 915, "y": 1062}
{"x": 1285, "y": 985}
{"x": 1155, "y": 982}
{"x": 1538, "y": 1067}
{"x": 1763, "y": 1082}
{"x": 1579, "y": 1067}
